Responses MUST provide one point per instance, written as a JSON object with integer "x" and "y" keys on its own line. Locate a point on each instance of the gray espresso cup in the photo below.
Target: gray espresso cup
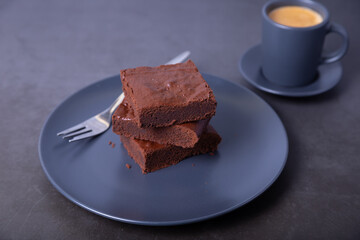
{"x": 291, "y": 55}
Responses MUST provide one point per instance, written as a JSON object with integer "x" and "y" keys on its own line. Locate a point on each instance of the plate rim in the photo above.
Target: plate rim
{"x": 162, "y": 223}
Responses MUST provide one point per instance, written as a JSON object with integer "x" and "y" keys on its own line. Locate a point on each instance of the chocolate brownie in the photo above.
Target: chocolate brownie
{"x": 151, "y": 156}
{"x": 184, "y": 135}
{"x": 168, "y": 94}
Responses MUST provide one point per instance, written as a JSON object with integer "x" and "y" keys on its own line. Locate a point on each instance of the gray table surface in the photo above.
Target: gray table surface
{"x": 51, "y": 49}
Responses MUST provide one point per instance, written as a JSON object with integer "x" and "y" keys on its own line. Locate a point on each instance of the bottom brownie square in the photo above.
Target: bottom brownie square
{"x": 151, "y": 156}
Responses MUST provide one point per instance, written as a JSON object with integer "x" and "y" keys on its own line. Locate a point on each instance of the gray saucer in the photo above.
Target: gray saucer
{"x": 250, "y": 67}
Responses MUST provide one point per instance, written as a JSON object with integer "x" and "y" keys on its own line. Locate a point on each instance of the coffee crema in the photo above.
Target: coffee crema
{"x": 295, "y": 16}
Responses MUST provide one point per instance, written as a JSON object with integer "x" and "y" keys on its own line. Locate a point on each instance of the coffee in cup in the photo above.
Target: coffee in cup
{"x": 295, "y": 16}
{"x": 292, "y": 41}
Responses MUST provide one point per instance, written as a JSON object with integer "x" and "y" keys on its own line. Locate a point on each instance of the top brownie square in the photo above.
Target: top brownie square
{"x": 168, "y": 94}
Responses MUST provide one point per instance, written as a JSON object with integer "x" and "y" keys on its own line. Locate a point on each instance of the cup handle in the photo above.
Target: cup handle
{"x": 338, "y": 54}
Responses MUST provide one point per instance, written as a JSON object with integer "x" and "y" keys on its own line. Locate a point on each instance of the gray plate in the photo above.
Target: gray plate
{"x": 93, "y": 175}
{"x": 250, "y": 67}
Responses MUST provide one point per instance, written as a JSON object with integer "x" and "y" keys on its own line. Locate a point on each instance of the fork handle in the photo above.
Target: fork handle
{"x": 180, "y": 58}
{"x": 116, "y": 103}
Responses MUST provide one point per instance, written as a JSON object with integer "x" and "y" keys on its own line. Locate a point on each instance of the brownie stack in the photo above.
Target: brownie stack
{"x": 165, "y": 115}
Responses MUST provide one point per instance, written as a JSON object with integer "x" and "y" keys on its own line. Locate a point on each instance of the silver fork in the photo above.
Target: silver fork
{"x": 102, "y": 121}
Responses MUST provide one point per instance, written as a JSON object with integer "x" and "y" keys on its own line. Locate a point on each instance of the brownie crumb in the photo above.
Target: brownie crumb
{"x": 113, "y": 145}
{"x": 110, "y": 142}
{"x": 128, "y": 166}
{"x": 211, "y": 153}
{"x": 193, "y": 164}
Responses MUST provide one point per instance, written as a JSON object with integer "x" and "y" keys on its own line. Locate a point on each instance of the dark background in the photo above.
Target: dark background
{"x": 51, "y": 49}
